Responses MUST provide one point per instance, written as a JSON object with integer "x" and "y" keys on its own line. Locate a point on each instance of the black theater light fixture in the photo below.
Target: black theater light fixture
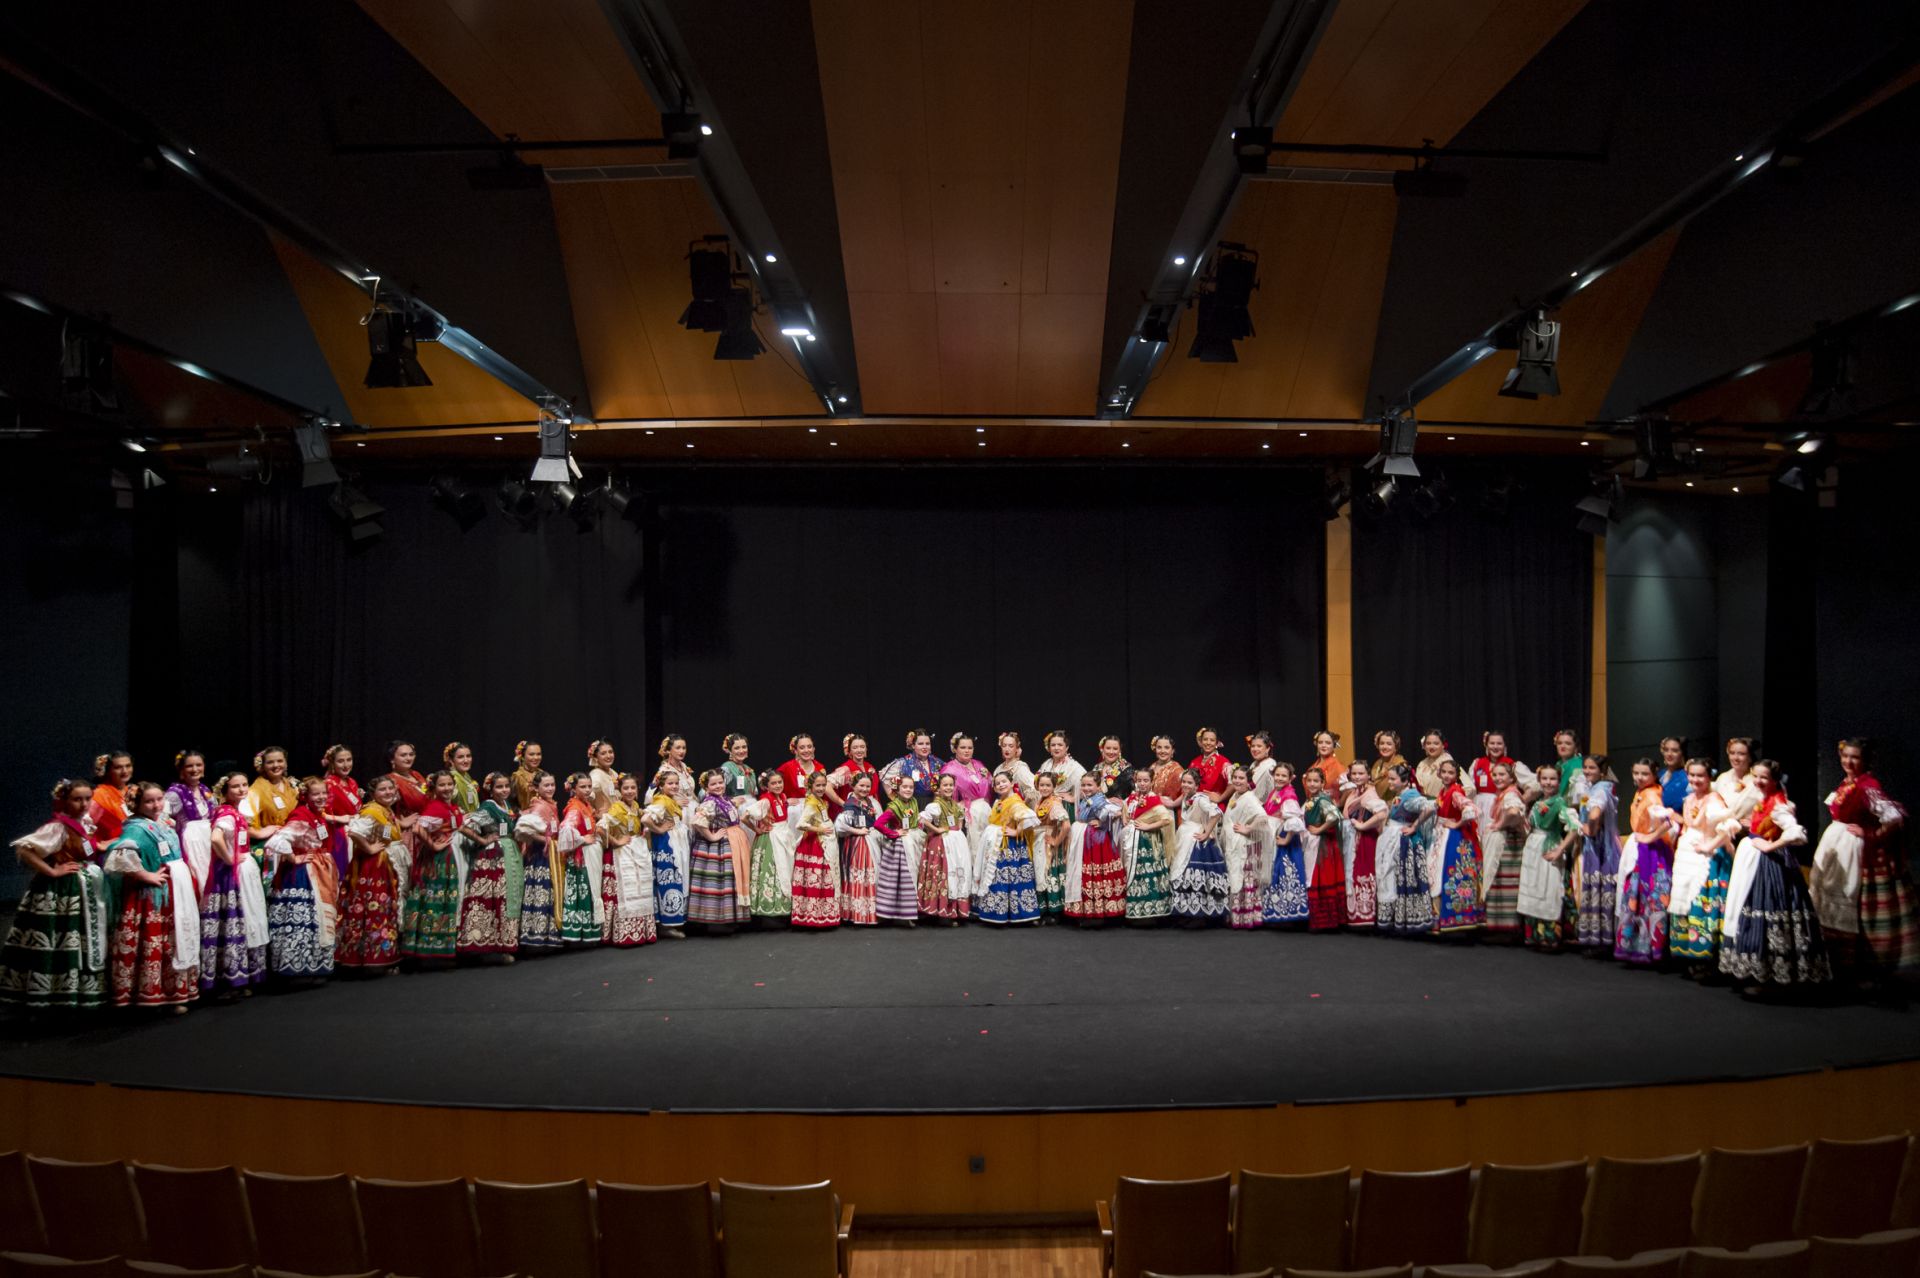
{"x": 1537, "y": 339}
{"x": 392, "y": 357}
{"x": 556, "y": 464}
{"x": 1652, "y": 447}
{"x": 452, "y": 497}
{"x": 1338, "y": 493}
{"x": 1221, "y": 316}
{"x": 1398, "y": 435}
{"x": 737, "y": 339}
{"x": 519, "y": 502}
{"x": 358, "y": 513}
{"x": 1599, "y": 507}
{"x": 1377, "y": 499}
{"x": 710, "y": 271}
{"x": 316, "y": 455}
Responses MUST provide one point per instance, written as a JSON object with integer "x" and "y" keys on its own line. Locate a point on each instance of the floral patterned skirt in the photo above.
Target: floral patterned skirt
{"x": 1327, "y": 890}
{"x": 1148, "y": 895}
{"x": 1598, "y": 923}
{"x": 1361, "y": 906}
{"x": 1643, "y": 930}
{"x": 1460, "y": 906}
{"x": 1284, "y": 902}
{"x": 1411, "y": 909}
{"x": 1696, "y": 935}
{"x": 144, "y": 974}
{"x": 1010, "y": 895}
{"x": 369, "y": 934}
{"x": 634, "y": 925}
{"x": 934, "y": 902}
{"x": 1777, "y": 940}
{"x": 294, "y": 947}
{"x": 816, "y": 899}
{"x": 485, "y": 927}
{"x": 669, "y": 893}
{"x": 1103, "y": 878}
{"x": 45, "y": 963}
{"x": 539, "y": 922}
{"x": 1200, "y": 889}
{"x": 577, "y": 924}
{"x": 432, "y": 926}
{"x": 769, "y": 901}
{"x": 856, "y": 858}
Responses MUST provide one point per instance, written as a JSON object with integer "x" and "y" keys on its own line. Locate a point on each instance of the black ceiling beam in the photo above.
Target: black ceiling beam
{"x": 750, "y": 46}
{"x": 1431, "y": 152}
{"x": 1142, "y": 281}
{"x": 35, "y": 65}
{"x": 1829, "y": 109}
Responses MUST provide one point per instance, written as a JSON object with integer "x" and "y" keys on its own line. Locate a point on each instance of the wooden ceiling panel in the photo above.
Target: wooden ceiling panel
{"x": 622, "y": 370}
{"x": 979, "y": 352}
{"x": 873, "y": 215}
{"x": 899, "y": 347}
{"x": 1075, "y": 109}
{"x": 1337, "y": 352}
{"x": 977, "y": 224}
{"x": 1600, "y": 322}
{"x": 975, "y": 67}
{"x": 1059, "y": 352}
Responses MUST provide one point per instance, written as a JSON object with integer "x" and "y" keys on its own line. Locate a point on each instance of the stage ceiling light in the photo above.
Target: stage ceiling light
{"x": 392, "y": 358}
{"x": 519, "y": 502}
{"x": 1221, "y": 315}
{"x": 1600, "y": 507}
{"x": 1338, "y": 493}
{"x": 1157, "y": 327}
{"x": 737, "y": 339}
{"x": 556, "y": 464}
{"x": 454, "y": 499}
{"x": 710, "y": 272}
{"x": 316, "y": 456}
{"x": 1398, "y": 436}
{"x": 1534, "y": 373}
{"x": 1251, "y": 144}
{"x": 244, "y": 463}
{"x": 1652, "y": 447}
{"x": 1378, "y": 499}
{"x": 358, "y": 513}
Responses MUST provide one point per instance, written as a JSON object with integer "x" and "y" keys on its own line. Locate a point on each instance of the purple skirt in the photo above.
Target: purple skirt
{"x": 226, "y": 962}
{"x": 894, "y": 897}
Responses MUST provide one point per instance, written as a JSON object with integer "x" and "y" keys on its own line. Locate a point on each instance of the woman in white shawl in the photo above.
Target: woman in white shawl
{"x": 946, "y": 859}
{"x": 1741, "y": 790}
{"x": 1065, "y": 768}
{"x": 1702, "y": 863}
{"x": 774, "y": 839}
{"x": 1247, "y": 840}
{"x": 626, "y": 883}
{"x": 1260, "y": 764}
{"x": 1096, "y": 870}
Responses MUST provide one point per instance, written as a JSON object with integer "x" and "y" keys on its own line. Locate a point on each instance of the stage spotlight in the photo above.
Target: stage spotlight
{"x": 1398, "y": 435}
{"x": 358, "y": 512}
{"x": 1338, "y": 493}
{"x": 555, "y": 463}
{"x": 619, "y": 496}
{"x": 392, "y": 359}
{"x": 455, "y": 499}
{"x": 1157, "y": 327}
{"x": 242, "y": 464}
{"x": 584, "y": 508}
{"x": 125, "y": 485}
{"x": 86, "y": 368}
{"x": 1221, "y": 316}
{"x": 1378, "y": 499}
{"x": 737, "y": 339}
{"x": 1534, "y": 373}
{"x": 1599, "y": 507}
{"x": 1251, "y": 144}
{"x": 519, "y": 502}
{"x": 1431, "y": 498}
{"x": 316, "y": 456}
{"x": 710, "y": 273}
{"x": 1652, "y": 447}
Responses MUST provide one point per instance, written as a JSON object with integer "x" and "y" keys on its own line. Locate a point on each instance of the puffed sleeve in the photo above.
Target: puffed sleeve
{"x": 365, "y": 828}
{"x": 1791, "y": 831}
{"x": 47, "y": 840}
{"x": 174, "y": 804}
{"x": 530, "y": 826}
{"x": 1023, "y": 817}
{"x": 845, "y": 824}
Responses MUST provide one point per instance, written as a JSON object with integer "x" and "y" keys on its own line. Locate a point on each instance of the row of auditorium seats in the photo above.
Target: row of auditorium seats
{"x": 1609, "y": 1210}
{"x": 219, "y": 1220}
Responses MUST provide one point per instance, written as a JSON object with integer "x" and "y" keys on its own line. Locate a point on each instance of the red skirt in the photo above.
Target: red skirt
{"x": 815, "y": 891}
{"x": 1103, "y": 879}
{"x": 1327, "y": 890}
{"x": 143, "y": 970}
{"x": 1360, "y": 897}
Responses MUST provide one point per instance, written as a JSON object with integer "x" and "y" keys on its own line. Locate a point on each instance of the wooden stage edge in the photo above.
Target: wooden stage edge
{"x": 917, "y": 1165}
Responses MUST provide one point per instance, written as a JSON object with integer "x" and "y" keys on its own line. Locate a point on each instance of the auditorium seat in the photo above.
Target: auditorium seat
{"x": 195, "y": 1217}
{"x": 30, "y": 1264}
{"x": 1906, "y": 1200}
{"x": 1172, "y": 1226}
{"x": 783, "y": 1231}
{"x": 89, "y": 1208}
{"x": 1525, "y": 1213}
{"x": 1411, "y": 1217}
{"x": 160, "y": 1269}
{"x": 545, "y": 1230}
{"x": 1663, "y": 1263}
{"x": 305, "y": 1224}
{"x": 668, "y": 1229}
{"x": 20, "y": 1227}
{"x": 261, "y": 1271}
{"x": 420, "y": 1228}
{"x": 1378, "y": 1271}
{"x": 1282, "y": 1221}
{"x": 1768, "y": 1260}
{"x": 1747, "y": 1196}
{"x": 1849, "y": 1187}
{"x": 1638, "y": 1204}
{"x": 1526, "y": 1269}
{"x": 1891, "y": 1253}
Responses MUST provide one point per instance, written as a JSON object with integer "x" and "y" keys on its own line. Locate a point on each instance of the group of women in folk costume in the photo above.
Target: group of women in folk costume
{"x": 157, "y": 896}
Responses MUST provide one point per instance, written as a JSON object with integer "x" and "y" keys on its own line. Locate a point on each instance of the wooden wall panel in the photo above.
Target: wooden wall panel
{"x": 979, "y": 352}
{"x": 1598, "y": 325}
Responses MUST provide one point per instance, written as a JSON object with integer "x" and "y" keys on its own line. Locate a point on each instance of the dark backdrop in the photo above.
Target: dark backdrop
{"x": 1475, "y": 618}
{"x": 762, "y": 601}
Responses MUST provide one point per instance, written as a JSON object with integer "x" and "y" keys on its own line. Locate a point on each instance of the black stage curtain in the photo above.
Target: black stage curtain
{"x": 823, "y": 599}
{"x": 1478, "y": 617}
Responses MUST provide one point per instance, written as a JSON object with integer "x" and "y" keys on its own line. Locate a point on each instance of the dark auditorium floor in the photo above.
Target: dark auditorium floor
{"x": 976, "y": 1253}
{"x": 967, "y": 1018}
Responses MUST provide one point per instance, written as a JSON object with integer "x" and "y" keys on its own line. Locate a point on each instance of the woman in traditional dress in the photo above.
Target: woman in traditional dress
{"x": 1646, "y": 872}
{"x": 489, "y": 924}
{"x": 773, "y": 846}
{"x": 107, "y": 811}
{"x": 1005, "y": 891}
{"x": 743, "y": 783}
{"x": 919, "y": 762}
{"x": 1673, "y": 774}
{"x": 1164, "y": 772}
{"x": 798, "y": 771}
{"x": 1111, "y": 769}
{"x": 1493, "y": 753}
{"x": 1702, "y": 862}
{"x": 1506, "y": 839}
{"x": 1049, "y": 845}
{"x": 581, "y": 910}
{"x": 370, "y": 903}
{"x": 1015, "y": 768}
{"x": 190, "y": 808}
{"x": 1144, "y": 841}
{"x": 1458, "y": 906}
{"x": 1403, "y": 886}
{"x": 233, "y": 904}
{"x": 946, "y": 858}
{"x": 1860, "y": 878}
{"x": 840, "y": 781}
{"x": 1776, "y": 943}
{"x": 155, "y": 958}
{"x": 1065, "y": 768}
{"x": 537, "y": 831}
{"x": 663, "y": 819}
{"x": 895, "y": 900}
{"x": 1260, "y": 763}
{"x": 303, "y": 907}
{"x": 1199, "y": 882}
{"x": 526, "y": 773}
{"x": 1573, "y": 768}
{"x": 626, "y": 883}
{"x": 601, "y": 772}
{"x": 1246, "y": 837}
{"x": 410, "y": 785}
{"x": 971, "y": 779}
{"x": 713, "y": 900}
{"x": 1548, "y": 906}
{"x": 272, "y": 797}
{"x": 1742, "y": 795}
{"x": 673, "y": 755}
{"x": 1433, "y": 753}
{"x": 1212, "y": 767}
{"x": 1386, "y": 757}
{"x": 1325, "y": 856}
{"x": 858, "y": 856}
{"x": 56, "y": 952}
{"x": 467, "y": 792}
{"x": 1365, "y": 814}
{"x": 816, "y": 880}
{"x": 1326, "y": 744}
{"x": 1097, "y": 891}
{"x": 344, "y": 802}
{"x": 430, "y": 931}
{"x": 1599, "y": 855}
{"x": 1283, "y": 902}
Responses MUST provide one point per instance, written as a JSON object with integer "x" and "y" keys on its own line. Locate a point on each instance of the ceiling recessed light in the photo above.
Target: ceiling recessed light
{"x": 135, "y": 445}
{"x": 689, "y": 445}
{"x": 1736, "y": 488}
{"x": 1303, "y": 434}
{"x": 1179, "y": 261}
{"x": 498, "y": 438}
{"x": 833, "y": 443}
{"x": 359, "y": 444}
{"x": 983, "y": 443}
{"x": 1585, "y": 444}
{"x": 813, "y": 430}
{"x": 1125, "y": 444}
{"x": 810, "y": 337}
{"x": 1266, "y": 445}
{"x": 1689, "y": 483}
{"x": 1573, "y": 275}
{"x": 979, "y": 430}
{"x": 840, "y": 399}
{"x": 771, "y": 258}
{"x": 706, "y": 130}
{"x": 1450, "y": 437}
{"x": 212, "y": 489}
{"x": 1739, "y": 157}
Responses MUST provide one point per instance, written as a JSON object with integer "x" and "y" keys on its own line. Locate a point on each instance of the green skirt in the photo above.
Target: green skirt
{"x": 47, "y": 962}
{"x": 577, "y": 925}
{"x": 767, "y": 900}
{"x": 432, "y": 928}
{"x": 1149, "y": 894}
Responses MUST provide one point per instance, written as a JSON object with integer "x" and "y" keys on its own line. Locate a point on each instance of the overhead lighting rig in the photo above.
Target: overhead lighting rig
{"x": 1535, "y": 371}
{"x": 1398, "y": 435}
{"x": 1221, "y": 315}
{"x": 394, "y": 330}
{"x": 556, "y": 464}
{"x": 723, "y": 300}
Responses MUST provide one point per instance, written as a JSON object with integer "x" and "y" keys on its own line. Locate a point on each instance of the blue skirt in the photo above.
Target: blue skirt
{"x": 1285, "y": 898}
{"x": 1011, "y": 896}
{"x": 669, "y": 893}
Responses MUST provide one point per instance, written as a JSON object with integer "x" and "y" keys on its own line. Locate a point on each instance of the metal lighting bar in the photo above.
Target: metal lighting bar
{"x": 1823, "y": 113}
{"x": 1435, "y": 152}
{"x": 1287, "y": 40}
{"x": 508, "y": 144}
{"x": 78, "y": 92}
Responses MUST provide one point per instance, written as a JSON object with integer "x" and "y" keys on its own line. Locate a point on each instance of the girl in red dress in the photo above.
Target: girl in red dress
{"x": 798, "y": 771}
{"x": 344, "y": 802}
{"x": 1213, "y": 768}
{"x": 816, "y": 881}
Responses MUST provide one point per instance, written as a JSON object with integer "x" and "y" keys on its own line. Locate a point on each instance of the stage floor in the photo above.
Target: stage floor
{"x": 970, "y": 1019}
